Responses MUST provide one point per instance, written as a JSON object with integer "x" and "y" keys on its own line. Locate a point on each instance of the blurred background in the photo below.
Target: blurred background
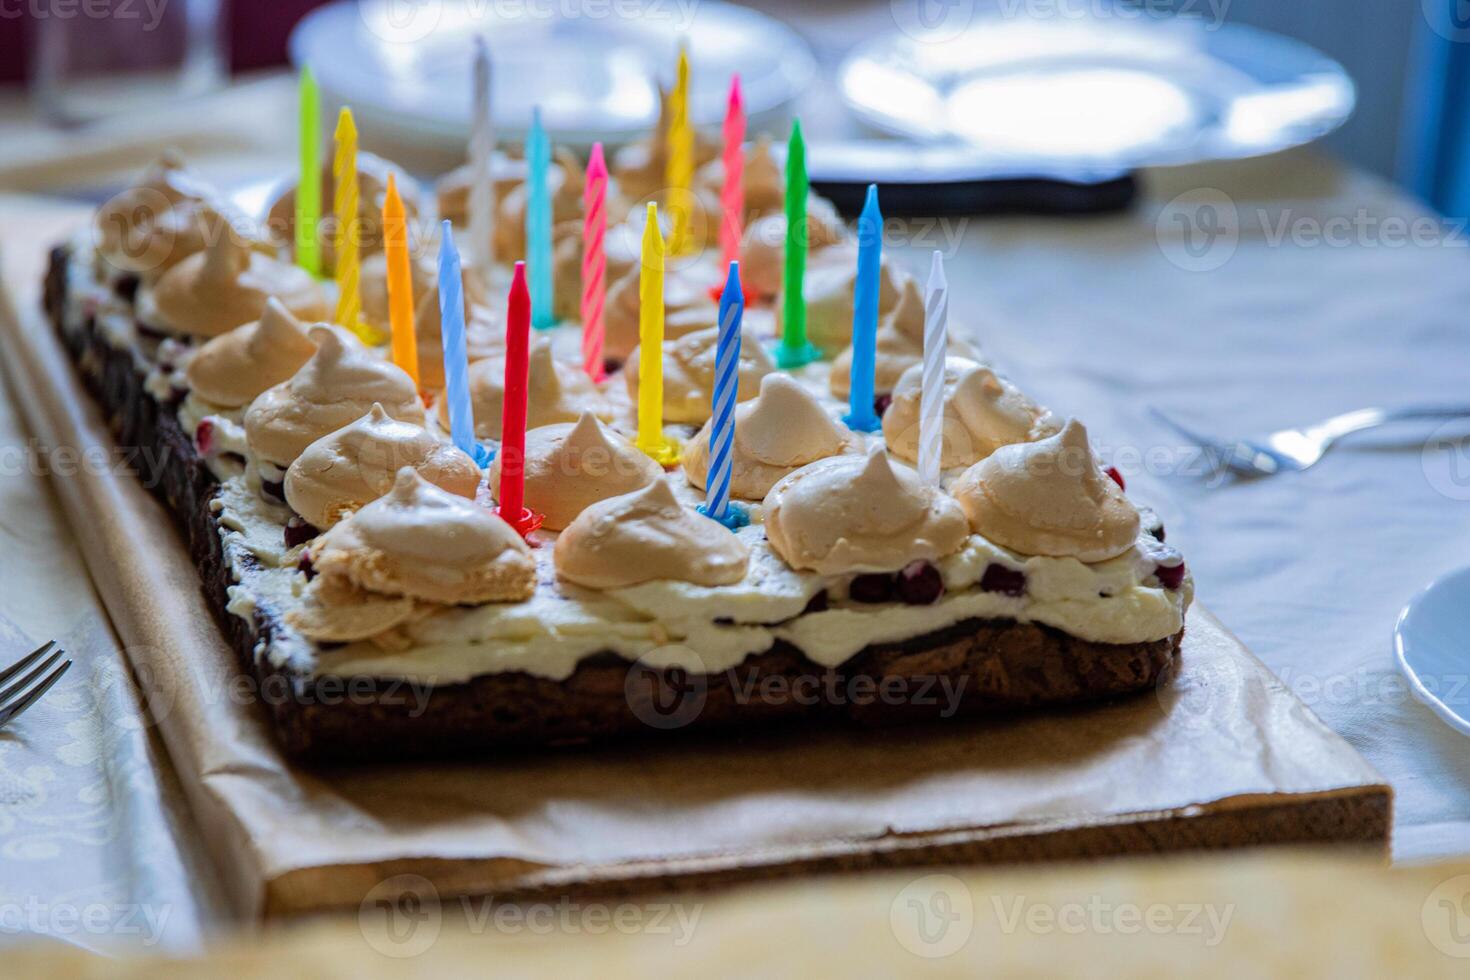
{"x": 1402, "y": 55}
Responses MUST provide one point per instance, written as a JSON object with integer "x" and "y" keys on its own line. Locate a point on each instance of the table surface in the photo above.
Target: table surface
{"x": 1311, "y": 300}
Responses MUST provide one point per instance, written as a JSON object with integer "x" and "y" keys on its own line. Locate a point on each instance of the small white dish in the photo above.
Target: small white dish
{"x": 1431, "y": 643}
{"x": 1104, "y": 90}
{"x": 593, "y": 69}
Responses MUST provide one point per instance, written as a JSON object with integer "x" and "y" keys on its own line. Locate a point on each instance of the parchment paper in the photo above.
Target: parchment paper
{"x": 1222, "y": 754}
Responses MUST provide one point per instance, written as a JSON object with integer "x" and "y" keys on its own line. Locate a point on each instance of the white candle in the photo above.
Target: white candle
{"x": 482, "y": 150}
{"x": 931, "y": 396}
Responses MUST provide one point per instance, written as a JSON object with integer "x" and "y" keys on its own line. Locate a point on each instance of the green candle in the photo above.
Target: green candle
{"x": 309, "y": 186}
{"x": 794, "y": 349}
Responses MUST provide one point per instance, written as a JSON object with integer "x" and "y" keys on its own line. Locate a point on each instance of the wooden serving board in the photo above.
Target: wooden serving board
{"x": 1222, "y": 755}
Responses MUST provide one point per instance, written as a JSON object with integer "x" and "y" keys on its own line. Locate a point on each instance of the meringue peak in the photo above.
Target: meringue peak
{"x": 421, "y": 542}
{"x": 982, "y": 412}
{"x": 233, "y": 368}
{"x": 644, "y": 536}
{"x": 785, "y": 425}
{"x": 855, "y": 514}
{"x": 336, "y": 386}
{"x": 1049, "y": 497}
{"x": 344, "y": 470}
{"x": 781, "y": 429}
{"x": 570, "y": 466}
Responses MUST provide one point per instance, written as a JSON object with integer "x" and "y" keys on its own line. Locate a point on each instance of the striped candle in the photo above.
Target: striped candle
{"x": 931, "y": 396}
{"x": 482, "y": 151}
{"x": 344, "y": 206}
{"x": 862, "y": 415}
{"x": 594, "y": 263}
{"x": 538, "y": 222}
{"x": 722, "y": 420}
{"x": 732, "y": 194}
{"x": 456, "y": 359}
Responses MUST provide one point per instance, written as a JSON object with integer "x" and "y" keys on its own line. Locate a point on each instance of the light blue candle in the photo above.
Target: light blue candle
{"x": 538, "y": 223}
{"x": 456, "y": 359}
{"x": 722, "y": 416}
{"x": 861, "y": 415}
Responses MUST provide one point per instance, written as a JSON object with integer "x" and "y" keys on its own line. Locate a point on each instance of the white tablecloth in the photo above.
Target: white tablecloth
{"x": 1315, "y": 305}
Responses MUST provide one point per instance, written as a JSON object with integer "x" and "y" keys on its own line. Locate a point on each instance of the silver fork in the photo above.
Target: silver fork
{"x": 1293, "y": 450}
{"x": 37, "y": 680}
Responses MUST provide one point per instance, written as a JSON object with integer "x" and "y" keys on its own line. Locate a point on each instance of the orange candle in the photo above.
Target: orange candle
{"x": 400, "y": 282}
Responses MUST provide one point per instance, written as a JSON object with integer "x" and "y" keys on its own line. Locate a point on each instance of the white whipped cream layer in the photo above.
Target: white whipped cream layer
{"x": 661, "y": 623}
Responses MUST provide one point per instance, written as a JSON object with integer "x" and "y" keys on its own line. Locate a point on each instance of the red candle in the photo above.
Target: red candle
{"x": 732, "y": 195}
{"x": 513, "y": 411}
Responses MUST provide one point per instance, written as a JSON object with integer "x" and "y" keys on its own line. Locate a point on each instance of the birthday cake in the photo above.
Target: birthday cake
{"x": 445, "y": 511}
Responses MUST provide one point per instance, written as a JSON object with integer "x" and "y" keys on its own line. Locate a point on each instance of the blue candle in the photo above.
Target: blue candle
{"x": 722, "y": 417}
{"x": 456, "y": 359}
{"x": 861, "y": 416}
{"x": 538, "y": 223}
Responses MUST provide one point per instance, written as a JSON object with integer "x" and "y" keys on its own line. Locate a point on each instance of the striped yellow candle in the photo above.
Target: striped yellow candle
{"x": 349, "y": 228}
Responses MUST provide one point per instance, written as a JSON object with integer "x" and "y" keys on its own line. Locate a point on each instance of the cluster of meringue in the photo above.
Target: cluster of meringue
{"x": 414, "y": 549}
{"x": 342, "y": 434}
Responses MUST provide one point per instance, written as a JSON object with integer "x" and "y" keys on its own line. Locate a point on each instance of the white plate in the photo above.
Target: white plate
{"x": 1099, "y": 91}
{"x": 405, "y": 67}
{"x": 1431, "y": 642}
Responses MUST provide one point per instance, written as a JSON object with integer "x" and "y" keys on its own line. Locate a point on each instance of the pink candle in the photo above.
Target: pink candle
{"x": 513, "y": 411}
{"x": 732, "y": 195}
{"x": 594, "y": 263}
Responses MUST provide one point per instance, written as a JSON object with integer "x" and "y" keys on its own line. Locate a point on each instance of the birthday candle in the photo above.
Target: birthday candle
{"x": 727, "y": 381}
{"x": 931, "y": 395}
{"x": 309, "y": 183}
{"x": 679, "y": 171}
{"x": 482, "y": 150}
{"x": 594, "y": 263}
{"x": 861, "y": 414}
{"x": 512, "y": 489}
{"x": 651, "y": 438}
{"x": 732, "y": 195}
{"x": 456, "y": 360}
{"x": 794, "y": 350}
{"x": 400, "y": 282}
{"x": 344, "y": 205}
{"x": 538, "y": 223}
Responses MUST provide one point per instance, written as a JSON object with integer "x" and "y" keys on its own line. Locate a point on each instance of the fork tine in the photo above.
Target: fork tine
{"x": 25, "y": 661}
{"x": 14, "y": 711}
{"x": 27, "y": 680}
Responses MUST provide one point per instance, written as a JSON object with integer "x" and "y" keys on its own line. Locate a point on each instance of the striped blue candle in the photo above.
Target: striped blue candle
{"x": 722, "y": 423}
{"x": 861, "y": 415}
{"x": 538, "y": 222}
{"x": 456, "y": 358}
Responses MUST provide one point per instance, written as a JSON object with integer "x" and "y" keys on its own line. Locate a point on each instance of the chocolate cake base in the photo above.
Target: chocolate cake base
{"x": 974, "y": 667}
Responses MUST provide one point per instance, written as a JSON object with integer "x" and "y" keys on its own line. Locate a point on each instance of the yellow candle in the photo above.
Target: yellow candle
{"x": 679, "y": 171}
{"x": 400, "y": 282}
{"x": 651, "y": 438}
{"x": 349, "y": 229}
